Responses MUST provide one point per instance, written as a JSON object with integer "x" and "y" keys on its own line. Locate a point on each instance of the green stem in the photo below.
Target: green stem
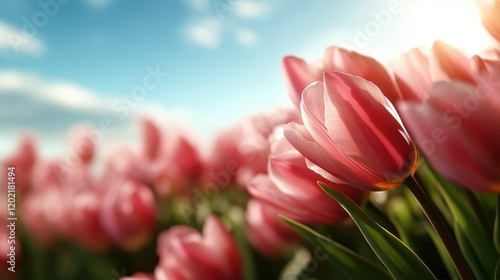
{"x": 439, "y": 226}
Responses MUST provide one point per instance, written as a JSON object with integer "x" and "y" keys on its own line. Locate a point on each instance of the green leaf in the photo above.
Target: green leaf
{"x": 469, "y": 253}
{"x": 467, "y": 220}
{"x": 445, "y": 257}
{"x": 345, "y": 260}
{"x": 401, "y": 261}
{"x": 496, "y": 228}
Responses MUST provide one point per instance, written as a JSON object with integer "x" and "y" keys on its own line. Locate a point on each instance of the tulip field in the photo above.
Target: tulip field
{"x": 374, "y": 170}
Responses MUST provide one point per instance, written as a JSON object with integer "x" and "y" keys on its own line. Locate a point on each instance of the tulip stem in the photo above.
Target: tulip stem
{"x": 439, "y": 226}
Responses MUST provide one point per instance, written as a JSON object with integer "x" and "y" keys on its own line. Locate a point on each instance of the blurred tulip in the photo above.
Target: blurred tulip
{"x": 81, "y": 144}
{"x": 266, "y": 231}
{"x": 85, "y": 220}
{"x": 23, "y": 160}
{"x": 353, "y": 133}
{"x": 292, "y": 187}
{"x": 128, "y": 214}
{"x": 124, "y": 163}
{"x": 457, "y": 130}
{"x": 33, "y": 215}
{"x": 299, "y": 74}
{"x": 242, "y": 152}
{"x": 151, "y": 138}
{"x": 412, "y": 74}
{"x": 448, "y": 63}
{"x": 490, "y": 11}
{"x": 188, "y": 255}
{"x": 178, "y": 165}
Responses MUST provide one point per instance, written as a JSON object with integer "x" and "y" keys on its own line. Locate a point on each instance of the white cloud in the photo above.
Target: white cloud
{"x": 50, "y": 108}
{"x": 14, "y": 40}
{"x": 206, "y": 33}
{"x": 99, "y": 3}
{"x": 251, "y": 9}
{"x": 57, "y": 92}
{"x": 246, "y": 37}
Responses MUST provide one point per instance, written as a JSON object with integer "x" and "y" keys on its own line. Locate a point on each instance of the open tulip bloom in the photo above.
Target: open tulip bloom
{"x": 375, "y": 172}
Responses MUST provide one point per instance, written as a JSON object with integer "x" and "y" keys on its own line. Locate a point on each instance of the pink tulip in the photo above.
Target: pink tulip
{"x": 448, "y": 63}
{"x": 85, "y": 219}
{"x": 128, "y": 214}
{"x": 353, "y": 134}
{"x": 300, "y": 74}
{"x": 266, "y": 231}
{"x": 188, "y": 255}
{"x": 178, "y": 165}
{"x": 292, "y": 187}
{"x": 457, "y": 130}
{"x": 23, "y": 160}
{"x": 82, "y": 143}
{"x": 412, "y": 75}
{"x": 241, "y": 151}
{"x": 490, "y": 9}
{"x": 151, "y": 137}
{"x": 33, "y": 215}
{"x": 126, "y": 164}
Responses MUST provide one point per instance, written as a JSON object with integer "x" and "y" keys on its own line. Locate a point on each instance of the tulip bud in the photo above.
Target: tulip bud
{"x": 128, "y": 214}
{"x": 187, "y": 254}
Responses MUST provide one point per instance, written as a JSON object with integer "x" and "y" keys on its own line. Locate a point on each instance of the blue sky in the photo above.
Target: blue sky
{"x": 222, "y": 64}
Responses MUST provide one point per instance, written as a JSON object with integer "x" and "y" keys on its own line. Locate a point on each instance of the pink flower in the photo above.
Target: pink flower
{"x": 490, "y": 9}
{"x": 128, "y": 214}
{"x": 417, "y": 70}
{"x": 457, "y": 129}
{"x": 188, "y": 255}
{"x": 448, "y": 63}
{"x": 23, "y": 160}
{"x": 292, "y": 187}
{"x": 178, "y": 165}
{"x": 353, "y": 132}
{"x": 81, "y": 144}
{"x": 299, "y": 74}
{"x": 85, "y": 219}
{"x": 151, "y": 138}
{"x": 266, "y": 231}
{"x": 412, "y": 75}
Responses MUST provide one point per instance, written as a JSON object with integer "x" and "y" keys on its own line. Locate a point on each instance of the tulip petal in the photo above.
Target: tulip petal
{"x": 448, "y": 63}
{"x": 412, "y": 75}
{"x": 216, "y": 236}
{"x": 299, "y": 75}
{"x": 341, "y": 60}
{"x": 300, "y": 138}
{"x": 368, "y": 115}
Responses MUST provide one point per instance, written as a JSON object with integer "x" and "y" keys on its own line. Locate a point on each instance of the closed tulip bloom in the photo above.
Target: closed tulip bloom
{"x": 292, "y": 187}
{"x": 352, "y": 132}
{"x": 457, "y": 130}
{"x": 490, "y": 9}
{"x": 82, "y": 144}
{"x": 128, "y": 214}
{"x": 151, "y": 138}
{"x": 86, "y": 222}
{"x": 267, "y": 233}
{"x": 412, "y": 74}
{"x": 448, "y": 63}
{"x": 185, "y": 254}
{"x": 300, "y": 74}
